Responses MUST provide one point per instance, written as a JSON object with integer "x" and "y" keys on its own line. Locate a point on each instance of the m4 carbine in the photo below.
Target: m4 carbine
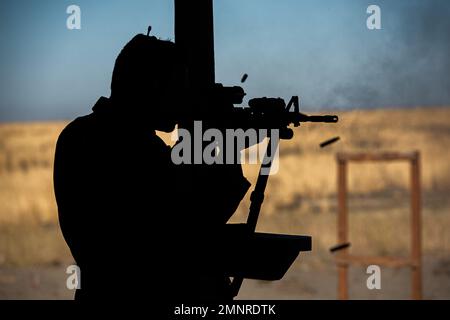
{"x": 219, "y": 111}
{"x": 256, "y": 255}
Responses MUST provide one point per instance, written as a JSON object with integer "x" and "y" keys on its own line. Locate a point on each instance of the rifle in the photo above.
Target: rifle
{"x": 272, "y": 113}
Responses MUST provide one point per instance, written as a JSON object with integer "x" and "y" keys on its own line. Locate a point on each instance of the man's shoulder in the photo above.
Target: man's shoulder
{"x": 77, "y": 130}
{"x": 79, "y": 124}
{"x": 85, "y": 124}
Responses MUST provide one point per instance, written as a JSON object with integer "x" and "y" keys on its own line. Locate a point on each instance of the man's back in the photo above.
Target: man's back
{"x": 112, "y": 188}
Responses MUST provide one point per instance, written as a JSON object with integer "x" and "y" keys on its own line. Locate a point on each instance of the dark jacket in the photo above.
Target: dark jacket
{"x": 135, "y": 223}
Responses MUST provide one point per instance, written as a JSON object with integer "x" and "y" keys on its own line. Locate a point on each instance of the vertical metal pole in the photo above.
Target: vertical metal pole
{"x": 342, "y": 227}
{"x": 416, "y": 250}
{"x": 194, "y": 36}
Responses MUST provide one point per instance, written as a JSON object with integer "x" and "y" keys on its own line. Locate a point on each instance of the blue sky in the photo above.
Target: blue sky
{"x": 319, "y": 50}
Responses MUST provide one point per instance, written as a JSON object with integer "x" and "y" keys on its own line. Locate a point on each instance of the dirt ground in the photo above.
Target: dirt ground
{"x": 320, "y": 282}
{"x": 306, "y": 280}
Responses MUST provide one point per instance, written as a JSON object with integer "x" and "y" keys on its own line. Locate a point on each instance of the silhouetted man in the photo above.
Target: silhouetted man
{"x": 113, "y": 179}
{"x": 133, "y": 220}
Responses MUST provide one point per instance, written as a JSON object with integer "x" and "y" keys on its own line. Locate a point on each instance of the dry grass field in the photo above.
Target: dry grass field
{"x": 300, "y": 198}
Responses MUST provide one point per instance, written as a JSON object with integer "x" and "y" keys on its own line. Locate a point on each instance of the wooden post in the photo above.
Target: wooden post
{"x": 194, "y": 37}
{"x": 342, "y": 228}
{"x": 344, "y": 259}
{"x": 416, "y": 250}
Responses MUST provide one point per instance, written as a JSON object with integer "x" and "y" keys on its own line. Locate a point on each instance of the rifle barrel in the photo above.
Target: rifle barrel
{"x": 326, "y": 118}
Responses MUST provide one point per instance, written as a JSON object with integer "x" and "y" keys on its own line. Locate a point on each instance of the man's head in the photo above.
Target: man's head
{"x": 147, "y": 81}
